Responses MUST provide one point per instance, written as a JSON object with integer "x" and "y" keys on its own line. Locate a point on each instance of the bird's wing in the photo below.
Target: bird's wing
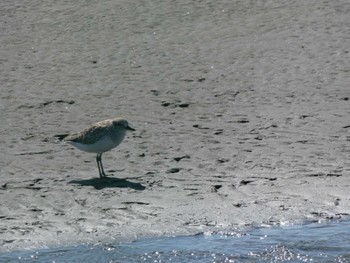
{"x": 88, "y": 136}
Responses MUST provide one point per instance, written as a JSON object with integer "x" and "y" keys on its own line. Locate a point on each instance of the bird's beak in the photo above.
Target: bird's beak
{"x": 130, "y": 129}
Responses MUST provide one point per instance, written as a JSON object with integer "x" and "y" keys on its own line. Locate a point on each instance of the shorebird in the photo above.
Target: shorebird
{"x": 99, "y": 138}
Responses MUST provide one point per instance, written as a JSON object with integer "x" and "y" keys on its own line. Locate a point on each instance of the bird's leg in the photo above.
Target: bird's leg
{"x": 99, "y": 165}
{"x": 103, "y": 172}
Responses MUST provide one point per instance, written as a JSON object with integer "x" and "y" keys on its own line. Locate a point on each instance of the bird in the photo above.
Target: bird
{"x": 99, "y": 138}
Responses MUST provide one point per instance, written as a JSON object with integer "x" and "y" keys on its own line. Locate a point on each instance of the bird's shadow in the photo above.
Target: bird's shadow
{"x": 108, "y": 182}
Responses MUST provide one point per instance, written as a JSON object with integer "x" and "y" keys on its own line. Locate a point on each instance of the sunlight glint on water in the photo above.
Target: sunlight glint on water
{"x": 328, "y": 242}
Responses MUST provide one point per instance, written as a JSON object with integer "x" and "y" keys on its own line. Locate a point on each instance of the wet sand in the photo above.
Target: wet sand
{"x": 242, "y": 112}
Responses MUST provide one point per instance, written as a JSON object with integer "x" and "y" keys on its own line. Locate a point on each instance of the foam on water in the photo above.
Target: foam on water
{"x": 326, "y": 242}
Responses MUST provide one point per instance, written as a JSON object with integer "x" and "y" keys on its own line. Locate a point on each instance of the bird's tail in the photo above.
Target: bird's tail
{"x": 61, "y": 136}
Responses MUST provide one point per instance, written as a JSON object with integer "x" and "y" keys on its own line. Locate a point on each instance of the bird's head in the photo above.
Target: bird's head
{"x": 123, "y": 124}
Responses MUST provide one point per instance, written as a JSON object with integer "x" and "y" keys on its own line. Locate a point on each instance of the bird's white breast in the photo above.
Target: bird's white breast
{"x": 103, "y": 145}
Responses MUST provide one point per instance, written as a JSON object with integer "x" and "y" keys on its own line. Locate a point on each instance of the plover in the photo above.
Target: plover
{"x": 99, "y": 138}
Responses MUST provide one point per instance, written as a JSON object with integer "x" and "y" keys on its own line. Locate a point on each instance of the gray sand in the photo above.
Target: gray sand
{"x": 242, "y": 111}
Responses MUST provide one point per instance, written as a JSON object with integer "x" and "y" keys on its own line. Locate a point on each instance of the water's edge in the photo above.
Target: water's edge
{"x": 316, "y": 242}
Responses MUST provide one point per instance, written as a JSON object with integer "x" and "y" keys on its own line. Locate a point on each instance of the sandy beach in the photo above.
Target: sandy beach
{"x": 241, "y": 111}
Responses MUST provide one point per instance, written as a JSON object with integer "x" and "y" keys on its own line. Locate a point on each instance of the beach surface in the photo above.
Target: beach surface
{"x": 241, "y": 111}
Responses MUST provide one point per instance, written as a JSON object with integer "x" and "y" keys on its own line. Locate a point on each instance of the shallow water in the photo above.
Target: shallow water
{"x": 325, "y": 242}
